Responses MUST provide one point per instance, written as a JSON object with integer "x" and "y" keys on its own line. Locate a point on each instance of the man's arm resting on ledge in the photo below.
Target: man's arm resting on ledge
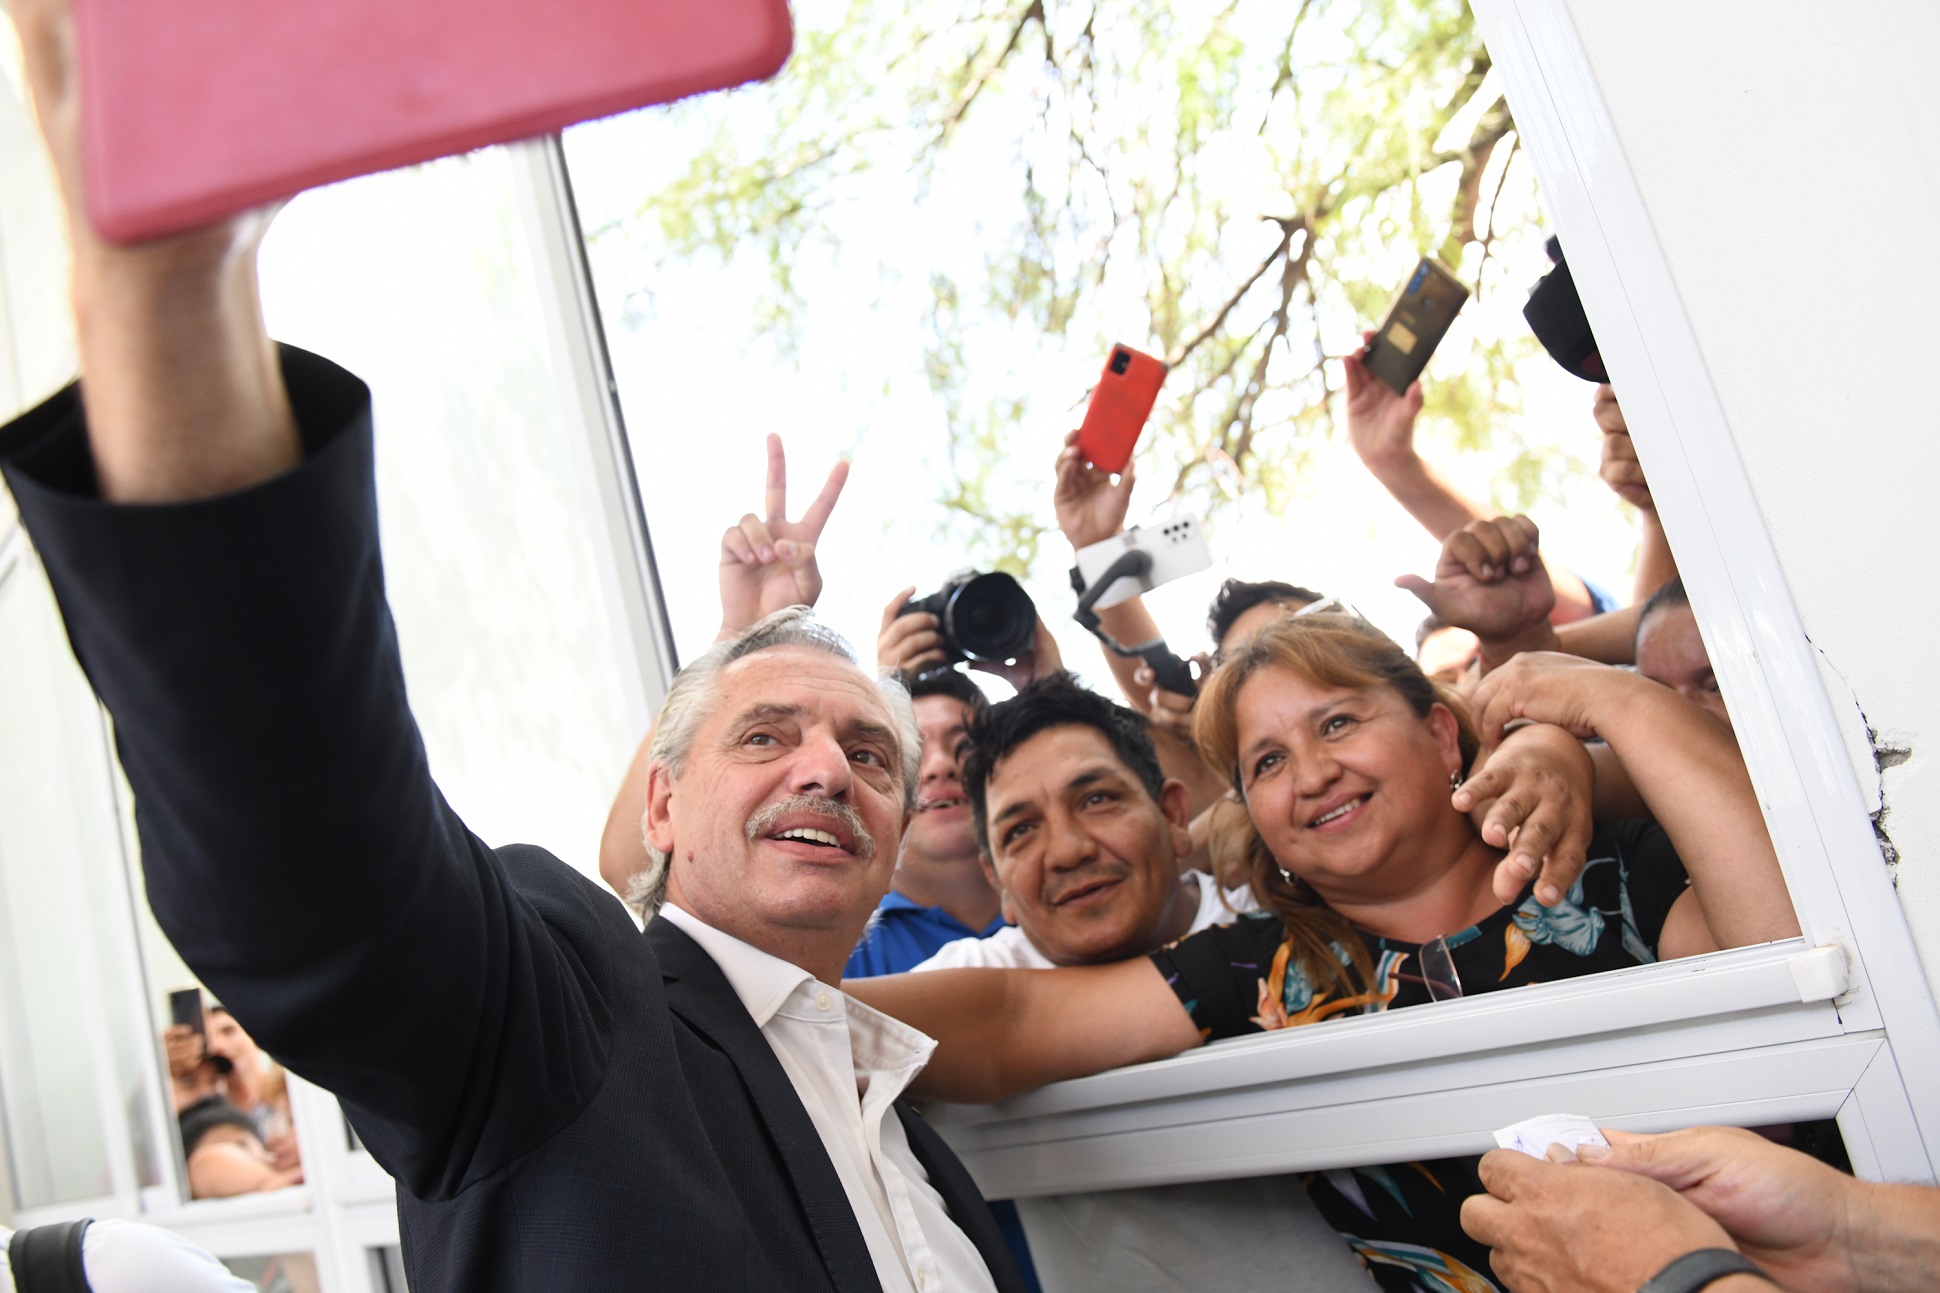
{"x": 1003, "y": 1032}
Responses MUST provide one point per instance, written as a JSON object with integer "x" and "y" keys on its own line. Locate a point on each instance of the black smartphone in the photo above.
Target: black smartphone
{"x": 1416, "y": 324}
{"x": 185, "y": 1009}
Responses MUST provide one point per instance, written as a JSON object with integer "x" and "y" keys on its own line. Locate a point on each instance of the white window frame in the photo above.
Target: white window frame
{"x": 1833, "y": 1023}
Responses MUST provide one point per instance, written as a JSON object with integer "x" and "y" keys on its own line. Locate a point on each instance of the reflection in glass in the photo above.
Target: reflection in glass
{"x": 278, "y": 1273}
{"x": 50, "y": 1087}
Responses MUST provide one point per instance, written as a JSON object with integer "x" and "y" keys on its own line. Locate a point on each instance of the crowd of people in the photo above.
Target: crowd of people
{"x": 1327, "y": 826}
{"x": 860, "y": 887}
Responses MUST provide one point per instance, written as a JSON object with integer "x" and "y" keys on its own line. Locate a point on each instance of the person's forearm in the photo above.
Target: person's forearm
{"x": 1655, "y": 564}
{"x": 1687, "y": 768}
{"x": 1609, "y": 638}
{"x": 1002, "y": 1032}
{"x": 1129, "y": 624}
{"x": 184, "y": 394}
{"x": 1430, "y": 499}
{"x": 1892, "y": 1237}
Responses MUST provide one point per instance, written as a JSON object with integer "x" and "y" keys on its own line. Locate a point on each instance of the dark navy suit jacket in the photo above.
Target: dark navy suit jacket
{"x": 565, "y": 1103}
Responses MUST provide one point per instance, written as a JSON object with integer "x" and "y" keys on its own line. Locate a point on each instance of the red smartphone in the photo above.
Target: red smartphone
{"x": 1120, "y": 403}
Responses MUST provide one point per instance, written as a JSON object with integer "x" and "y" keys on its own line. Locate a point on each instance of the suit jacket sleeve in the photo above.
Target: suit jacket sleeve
{"x": 295, "y": 848}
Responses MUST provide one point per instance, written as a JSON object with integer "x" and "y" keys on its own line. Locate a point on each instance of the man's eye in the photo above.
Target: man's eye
{"x": 1015, "y": 833}
{"x": 1097, "y": 797}
{"x": 870, "y": 758}
{"x": 759, "y": 738}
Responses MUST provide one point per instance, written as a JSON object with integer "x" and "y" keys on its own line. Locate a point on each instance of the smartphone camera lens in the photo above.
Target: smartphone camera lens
{"x": 1120, "y": 361}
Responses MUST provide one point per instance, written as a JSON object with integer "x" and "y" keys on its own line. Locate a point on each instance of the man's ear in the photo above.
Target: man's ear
{"x": 658, "y": 823}
{"x": 997, "y": 885}
{"x": 1175, "y": 801}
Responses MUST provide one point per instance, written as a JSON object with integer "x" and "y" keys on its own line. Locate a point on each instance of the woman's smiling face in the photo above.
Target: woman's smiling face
{"x": 1347, "y": 786}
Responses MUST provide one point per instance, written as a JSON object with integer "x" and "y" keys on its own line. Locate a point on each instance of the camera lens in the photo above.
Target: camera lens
{"x": 991, "y": 617}
{"x": 1120, "y": 361}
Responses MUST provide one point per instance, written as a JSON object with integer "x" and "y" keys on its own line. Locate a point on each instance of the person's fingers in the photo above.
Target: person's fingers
{"x": 1421, "y": 588}
{"x": 890, "y": 613}
{"x": 1465, "y": 551}
{"x": 1556, "y": 837}
{"x": 1522, "y": 534}
{"x": 1126, "y": 478}
{"x": 1494, "y": 540}
{"x": 775, "y": 496}
{"x": 1558, "y": 1153}
{"x": 1508, "y": 1173}
{"x": 1486, "y": 1219}
{"x": 1413, "y": 399}
{"x": 896, "y": 636}
{"x": 759, "y": 538}
{"x": 1354, "y": 366}
{"x": 817, "y": 514}
{"x": 736, "y": 548}
{"x": 794, "y": 553}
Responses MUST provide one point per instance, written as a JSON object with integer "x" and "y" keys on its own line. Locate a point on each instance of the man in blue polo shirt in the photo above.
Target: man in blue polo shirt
{"x": 940, "y": 893}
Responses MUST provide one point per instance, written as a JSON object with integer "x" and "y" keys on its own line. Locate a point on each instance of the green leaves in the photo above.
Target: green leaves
{"x": 1232, "y": 184}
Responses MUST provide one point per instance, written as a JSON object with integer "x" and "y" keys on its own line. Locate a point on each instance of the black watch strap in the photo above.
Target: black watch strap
{"x": 1694, "y": 1271}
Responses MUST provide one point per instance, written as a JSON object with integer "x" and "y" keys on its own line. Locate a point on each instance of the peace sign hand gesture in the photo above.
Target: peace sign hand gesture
{"x": 768, "y": 564}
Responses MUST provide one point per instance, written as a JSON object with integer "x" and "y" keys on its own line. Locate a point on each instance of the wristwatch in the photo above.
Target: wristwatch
{"x": 1695, "y": 1270}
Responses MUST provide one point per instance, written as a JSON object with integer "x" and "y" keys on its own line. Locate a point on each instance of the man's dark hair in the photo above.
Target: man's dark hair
{"x": 1238, "y": 596}
{"x": 1668, "y": 595}
{"x": 953, "y": 683}
{"x": 1058, "y": 700}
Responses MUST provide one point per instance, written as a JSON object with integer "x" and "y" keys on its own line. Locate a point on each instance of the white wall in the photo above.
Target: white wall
{"x": 1789, "y": 154}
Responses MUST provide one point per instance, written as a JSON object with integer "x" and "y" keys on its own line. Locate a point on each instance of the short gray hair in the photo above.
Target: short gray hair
{"x": 689, "y": 702}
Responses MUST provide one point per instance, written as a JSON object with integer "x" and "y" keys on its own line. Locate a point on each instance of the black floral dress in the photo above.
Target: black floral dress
{"x": 1404, "y": 1218}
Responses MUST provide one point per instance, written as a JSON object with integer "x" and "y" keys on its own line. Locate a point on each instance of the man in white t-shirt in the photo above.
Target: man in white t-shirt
{"x": 1082, "y": 834}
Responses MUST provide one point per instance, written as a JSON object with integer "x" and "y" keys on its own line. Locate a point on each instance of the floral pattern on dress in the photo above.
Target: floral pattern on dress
{"x": 1434, "y": 1270}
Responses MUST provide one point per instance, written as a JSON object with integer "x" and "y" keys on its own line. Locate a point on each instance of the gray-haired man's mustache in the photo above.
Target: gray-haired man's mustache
{"x": 837, "y": 813}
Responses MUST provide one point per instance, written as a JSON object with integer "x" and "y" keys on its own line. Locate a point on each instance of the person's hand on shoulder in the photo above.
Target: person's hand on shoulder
{"x": 1491, "y": 580}
{"x": 1089, "y": 505}
{"x": 1380, "y": 423}
{"x": 1562, "y": 1226}
{"x": 768, "y": 562}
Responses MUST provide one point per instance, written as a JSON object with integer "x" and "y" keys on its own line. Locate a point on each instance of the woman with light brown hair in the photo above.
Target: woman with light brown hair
{"x": 1383, "y": 894}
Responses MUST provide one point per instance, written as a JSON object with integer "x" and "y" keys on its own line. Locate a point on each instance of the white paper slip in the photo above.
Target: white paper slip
{"x": 1534, "y": 1136}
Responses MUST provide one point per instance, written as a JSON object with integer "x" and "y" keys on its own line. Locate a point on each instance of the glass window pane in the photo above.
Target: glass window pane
{"x": 48, "y": 1079}
{"x": 419, "y": 281}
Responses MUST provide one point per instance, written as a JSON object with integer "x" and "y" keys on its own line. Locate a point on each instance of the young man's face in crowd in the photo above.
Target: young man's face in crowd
{"x": 1086, "y": 860}
{"x": 789, "y": 810}
{"x": 1448, "y": 655}
{"x": 1670, "y": 651}
{"x": 941, "y": 829}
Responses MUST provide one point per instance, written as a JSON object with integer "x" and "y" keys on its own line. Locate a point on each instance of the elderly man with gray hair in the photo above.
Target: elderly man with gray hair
{"x": 565, "y": 1102}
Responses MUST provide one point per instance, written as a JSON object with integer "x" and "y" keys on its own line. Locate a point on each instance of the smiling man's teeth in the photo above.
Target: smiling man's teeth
{"x": 1342, "y": 811}
{"x": 933, "y": 805}
{"x": 807, "y": 836}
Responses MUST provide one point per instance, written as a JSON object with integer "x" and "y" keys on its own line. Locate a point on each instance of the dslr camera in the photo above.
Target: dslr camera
{"x": 984, "y": 616}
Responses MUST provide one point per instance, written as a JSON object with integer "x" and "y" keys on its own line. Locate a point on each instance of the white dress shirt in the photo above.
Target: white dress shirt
{"x": 1011, "y": 949}
{"x": 848, "y": 1063}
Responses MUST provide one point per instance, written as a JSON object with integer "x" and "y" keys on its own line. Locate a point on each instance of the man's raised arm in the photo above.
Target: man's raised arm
{"x": 185, "y": 400}
{"x": 208, "y": 522}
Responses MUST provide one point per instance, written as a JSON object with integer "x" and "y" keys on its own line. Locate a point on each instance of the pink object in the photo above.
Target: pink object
{"x": 193, "y": 110}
